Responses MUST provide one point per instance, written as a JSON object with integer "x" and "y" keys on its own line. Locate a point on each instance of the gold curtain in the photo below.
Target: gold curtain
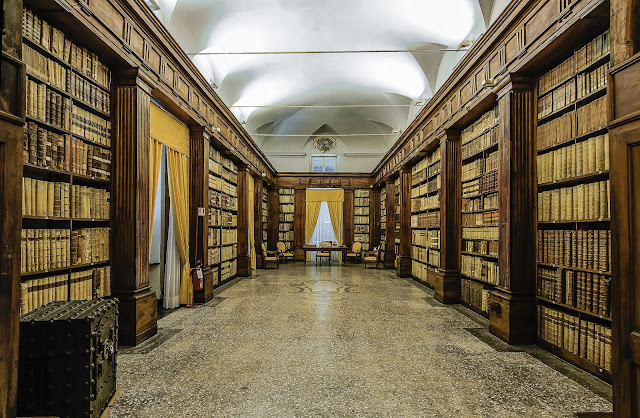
{"x": 167, "y": 129}
{"x": 155, "y": 157}
{"x": 251, "y": 214}
{"x": 311, "y": 219}
{"x": 324, "y": 195}
{"x": 335, "y": 211}
{"x": 178, "y": 166}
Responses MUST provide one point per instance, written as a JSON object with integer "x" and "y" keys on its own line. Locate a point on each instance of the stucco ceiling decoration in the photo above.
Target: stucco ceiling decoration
{"x": 297, "y": 94}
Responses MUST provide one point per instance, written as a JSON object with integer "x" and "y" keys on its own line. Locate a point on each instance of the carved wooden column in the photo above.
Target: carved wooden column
{"x": 512, "y": 306}
{"x": 300, "y": 209}
{"x": 244, "y": 251}
{"x": 273, "y": 207}
{"x": 12, "y": 107}
{"x": 403, "y": 258}
{"x": 347, "y": 218}
{"x": 130, "y": 209}
{"x": 447, "y": 277}
{"x": 390, "y": 245}
{"x": 374, "y": 218}
{"x": 257, "y": 220}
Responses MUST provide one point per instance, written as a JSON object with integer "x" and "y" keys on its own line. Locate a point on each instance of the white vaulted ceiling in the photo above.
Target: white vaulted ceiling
{"x": 249, "y": 82}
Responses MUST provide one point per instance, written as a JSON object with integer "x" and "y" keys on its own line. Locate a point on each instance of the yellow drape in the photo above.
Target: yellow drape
{"x": 178, "y": 166}
{"x": 311, "y": 219}
{"x": 335, "y": 211}
{"x": 251, "y": 214}
{"x": 168, "y": 130}
{"x": 155, "y": 156}
{"x": 329, "y": 195}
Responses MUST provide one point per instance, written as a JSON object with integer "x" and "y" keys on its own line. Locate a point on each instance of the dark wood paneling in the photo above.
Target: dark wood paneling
{"x": 347, "y": 217}
{"x": 130, "y": 209}
{"x": 517, "y": 195}
{"x": 244, "y": 253}
{"x": 328, "y": 180}
{"x": 198, "y": 195}
{"x": 447, "y": 279}
{"x": 403, "y": 258}
{"x": 374, "y": 218}
{"x": 273, "y": 204}
{"x": 300, "y": 210}
{"x": 257, "y": 219}
{"x": 390, "y": 245}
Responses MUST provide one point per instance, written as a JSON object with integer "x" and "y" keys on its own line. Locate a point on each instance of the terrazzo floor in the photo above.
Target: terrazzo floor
{"x": 339, "y": 341}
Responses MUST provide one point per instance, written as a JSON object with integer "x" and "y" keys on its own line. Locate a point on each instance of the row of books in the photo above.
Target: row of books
{"x": 64, "y": 152}
{"x": 222, "y": 200}
{"x": 586, "y": 249}
{"x": 479, "y": 268}
{"x": 213, "y": 255}
{"x": 488, "y": 183}
{"x": 481, "y": 218}
{"x": 360, "y": 220}
{"x": 426, "y": 161}
{"x": 429, "y": 256}
{"x": 474, "y": 294}
{"x": 423, "y": 272}
{"x": 228, "y": 219}
{"x": 586, "y": 291}
{"x": 229, "y": 236}
{"x": 361, "y": 201}
{"x": 88, "y": 284}
{"x": 484, "y": 202}
{"x": 228, "y": 270}
{"x": 363, "y": 239}
{"x": 557, "y": 130}
{"x": 287, "y": 208}
{"x": 213, "y": 237}
{"x": 221, "y": 185}
{"x": 422, "y": 171}
{"x": 90, "y": 126}
{"x": 557, "y": 99}
{"x": 486, "y": 233}
{"x": 361, "y": 194}
{"x": 426, "y": 220}
{"x": 44, "y": 249}
{"x": 285, "y": 217}
{"x": 484, "y": 141}
{"x": 44, "y": 68}
{"x": 53, "y": 40}
{"x": 485, "y": 122}
{"x": 587, "y": 339}
{"x": 581, "y": 59}
{"x": 44, "y": 198}
{"x": 431, "y": 186}
{"x": 287, "y": 238}
{"x": 588, "y": 201}
{"x": 480, "y": 247}
{"x": 228, "y": 252}
{"x": 424, "y": 203}
{"x": 361, "y": 229}
{"x": 480, "y": 166}
{"x": 592, "y": 116}
{"x": 89, "y": 245}
{"x": 592, "y": 81}
{"x": 89, "y": 93}
{"x": 426, "y": 238}
{"x": 90, "y": 203}
{"x": 586, "y": 157}
{"x": 285, "y": 199}
{"x": 46, "y": 105}
{"x": 361, "y": 210}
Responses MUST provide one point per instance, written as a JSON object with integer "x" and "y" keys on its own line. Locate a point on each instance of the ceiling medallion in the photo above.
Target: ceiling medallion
{"x": 324, "y": 143}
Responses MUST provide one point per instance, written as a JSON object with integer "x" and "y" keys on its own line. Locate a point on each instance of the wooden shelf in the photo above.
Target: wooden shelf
{"x": 573, "y": 105}
{"x": 480, "y": 210}
{"x": 479, "y": 153}
{"x": 578, "y": 138}
{"x": 573, "y": 308}
{"x": 493, "y": 257}
{"x": 606, "y": 273}
{"x": 46, "y": 218}
{"x": 54, "y": 128}
{"x": 571, "y": 181}
{"x": 583, "y": 221}
{"x": 576, "y": 360}
{"x": 474, "y": 308}
{"x": 464, "y": 276}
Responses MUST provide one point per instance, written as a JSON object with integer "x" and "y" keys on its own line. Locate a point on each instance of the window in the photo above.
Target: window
{"x": 324, "y": 163}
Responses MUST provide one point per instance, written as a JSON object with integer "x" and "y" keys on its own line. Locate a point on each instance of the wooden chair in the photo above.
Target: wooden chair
{"x": 356, "y": 252}
{"x": 321, "y": 255}
{"x": 283, "y": 254}
{"x": 269, "y": 257}
{"x": 371, "y": 257}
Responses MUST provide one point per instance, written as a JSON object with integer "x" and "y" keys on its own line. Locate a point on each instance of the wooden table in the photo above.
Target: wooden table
{"x": 342, "y": 248}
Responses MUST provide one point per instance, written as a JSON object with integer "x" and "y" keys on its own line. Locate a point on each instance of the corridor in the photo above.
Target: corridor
{"x": 341, "y": 341}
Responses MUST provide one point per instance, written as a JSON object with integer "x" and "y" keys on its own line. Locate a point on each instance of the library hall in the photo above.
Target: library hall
{"x": 270, "y": 208}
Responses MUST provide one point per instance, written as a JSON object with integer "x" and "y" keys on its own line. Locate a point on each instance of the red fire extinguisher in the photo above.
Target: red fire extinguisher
{"x": 197, "y": 277}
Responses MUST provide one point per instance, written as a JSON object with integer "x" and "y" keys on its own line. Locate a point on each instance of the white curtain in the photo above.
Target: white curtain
{"x": 324, "y": 229}
{"x": 173, "y": 269}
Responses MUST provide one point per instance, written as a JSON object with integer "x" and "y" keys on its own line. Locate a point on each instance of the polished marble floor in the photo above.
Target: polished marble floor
{"x": 341, "y": 341}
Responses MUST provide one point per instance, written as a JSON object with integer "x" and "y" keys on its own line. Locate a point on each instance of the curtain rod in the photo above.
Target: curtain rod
{"x": 364, "y": 51}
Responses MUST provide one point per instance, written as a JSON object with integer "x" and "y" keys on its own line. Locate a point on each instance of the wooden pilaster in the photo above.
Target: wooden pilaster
{"x": 273, "y": 207}
{"x": 390, "y": 245}
{"x": 130, "y": 209}
{"x": 374, "y": 218}
{"x": 12, "y": 108}
{"x": 257, "y": 220}
{"x": 512, "y": 307}
{"x": 347, "y": 217}
{"x": 244, "y": 251}
{"x": 403, "y": 258}
{"x": 300, "y": 208}
{"x": 447, "y": 277}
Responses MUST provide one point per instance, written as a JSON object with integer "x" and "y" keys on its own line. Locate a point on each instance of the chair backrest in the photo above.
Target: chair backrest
{"x": 325, "y": 243}
{"x": 281, "y": 247}
{"x": 264, "y": 249}
{"x": 357, "y": 246}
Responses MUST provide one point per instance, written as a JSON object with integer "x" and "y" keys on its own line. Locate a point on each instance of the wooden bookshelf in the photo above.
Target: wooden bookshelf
{"x": 383, "y": 222}
{"x": 479, "y": 250}
{"x": 573, "y": 234}
{"x": 223, "y": 217}
{"x": 361, "y": 217}
{"x": 425, "y": 218}
{"x": 66, "y": 169}
{"x": 265, "y": 215}
{"x": 287, "y": 210}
